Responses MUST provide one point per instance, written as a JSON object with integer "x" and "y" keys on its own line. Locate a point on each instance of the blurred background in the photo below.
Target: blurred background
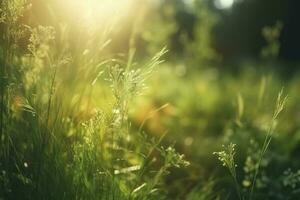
{"x": 227, "y": 31}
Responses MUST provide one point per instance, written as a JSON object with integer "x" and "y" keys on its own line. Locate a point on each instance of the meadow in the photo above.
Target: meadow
{"x": 98, "y": 102}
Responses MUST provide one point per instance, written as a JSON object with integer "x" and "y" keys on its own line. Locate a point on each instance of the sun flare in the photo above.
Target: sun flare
{"x": 97, "y": 9}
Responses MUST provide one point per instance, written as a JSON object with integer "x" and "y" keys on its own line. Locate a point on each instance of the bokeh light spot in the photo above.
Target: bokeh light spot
{"x": 223, "y": 4}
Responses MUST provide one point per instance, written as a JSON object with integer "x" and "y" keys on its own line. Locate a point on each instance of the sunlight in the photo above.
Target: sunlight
{"x": 92, "y": 10}
{"x": 223, "y": 4}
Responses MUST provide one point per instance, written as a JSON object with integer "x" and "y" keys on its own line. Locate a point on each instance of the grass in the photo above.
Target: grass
{"x": 227, "y": 156}
{"x": 79, "y": 121}
{"x": 45, "y": 144}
